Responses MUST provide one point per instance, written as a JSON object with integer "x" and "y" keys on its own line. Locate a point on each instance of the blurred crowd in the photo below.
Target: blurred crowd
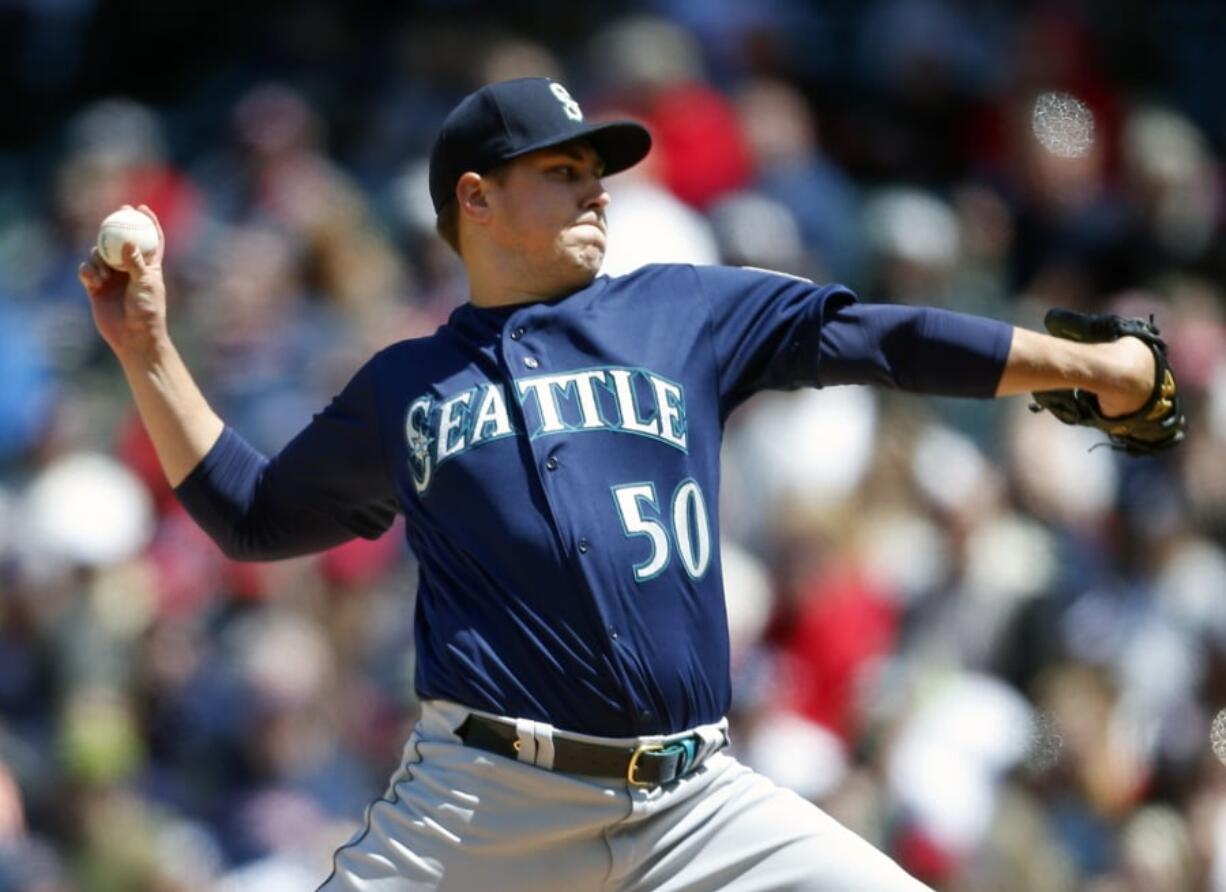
{"x": 991, "y": 648}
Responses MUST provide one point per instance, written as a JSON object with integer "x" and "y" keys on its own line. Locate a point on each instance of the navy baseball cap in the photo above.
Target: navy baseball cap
{"x": 505, "y": 120}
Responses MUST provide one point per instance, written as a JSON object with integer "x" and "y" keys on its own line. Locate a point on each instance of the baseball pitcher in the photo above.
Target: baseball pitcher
{"x": 554, "y": 448}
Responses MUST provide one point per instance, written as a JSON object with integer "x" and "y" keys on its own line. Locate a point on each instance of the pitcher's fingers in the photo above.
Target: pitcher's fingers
{"x": 133, "y": 261}
{"x": 101, "y": 267}
{"x": 161, "y": 248}
{"x": 89, "y": 278}
{"x": 94, "y": 287}
{"x": 92, "y": 278}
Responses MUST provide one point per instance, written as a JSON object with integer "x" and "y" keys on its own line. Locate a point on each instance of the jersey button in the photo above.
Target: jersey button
{"x": 613, "y": 633}
{"x": 531, "y": 362}
{"x": 583, "y": 546}
{"x": 551, "y": 463}
{"x": 517, "y": 334}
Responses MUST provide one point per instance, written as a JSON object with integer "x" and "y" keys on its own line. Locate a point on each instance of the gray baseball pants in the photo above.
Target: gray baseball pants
{"x": 458, "y": 818}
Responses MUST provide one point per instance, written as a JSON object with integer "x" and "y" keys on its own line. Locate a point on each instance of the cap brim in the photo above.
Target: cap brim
{"x": 620, "y": 144}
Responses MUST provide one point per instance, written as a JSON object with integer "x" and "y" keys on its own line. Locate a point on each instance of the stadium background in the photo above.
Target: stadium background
{"x": 992, "y": 651}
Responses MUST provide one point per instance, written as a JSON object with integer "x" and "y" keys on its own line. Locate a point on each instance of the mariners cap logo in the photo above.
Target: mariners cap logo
{"x": 569, "y": 105}
{"x": 508, "y": 119}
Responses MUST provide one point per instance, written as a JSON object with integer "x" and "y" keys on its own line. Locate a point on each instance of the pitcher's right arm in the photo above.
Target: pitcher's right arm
{"x": 327, "y": 486}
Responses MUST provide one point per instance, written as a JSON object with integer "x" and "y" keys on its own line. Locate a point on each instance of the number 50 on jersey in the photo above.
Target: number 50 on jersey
{"x": 640, "y": 511}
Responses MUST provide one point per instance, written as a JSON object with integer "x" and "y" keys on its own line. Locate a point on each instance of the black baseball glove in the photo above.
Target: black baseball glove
{"x": 1159, "y": 424}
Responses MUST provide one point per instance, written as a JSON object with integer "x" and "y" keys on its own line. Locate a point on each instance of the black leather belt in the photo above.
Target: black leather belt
{"x": 648, "y": 765}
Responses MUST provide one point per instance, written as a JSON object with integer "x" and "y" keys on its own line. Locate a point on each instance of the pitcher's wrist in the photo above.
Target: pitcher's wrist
{"x": 1131, "y": 379}
{"x": 145, "y": 351}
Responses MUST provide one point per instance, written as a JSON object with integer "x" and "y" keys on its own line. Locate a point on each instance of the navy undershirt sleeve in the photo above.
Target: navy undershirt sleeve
{"x": 920, "y": 349}
{"x": 328, "y": 485}
{"x": 773, "y": 331}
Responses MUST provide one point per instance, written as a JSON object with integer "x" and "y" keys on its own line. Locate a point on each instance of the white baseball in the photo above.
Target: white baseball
{"x": 123, "y": 226}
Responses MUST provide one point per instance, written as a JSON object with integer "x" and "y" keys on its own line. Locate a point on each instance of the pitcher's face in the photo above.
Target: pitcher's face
{"x": 550, "y": 210}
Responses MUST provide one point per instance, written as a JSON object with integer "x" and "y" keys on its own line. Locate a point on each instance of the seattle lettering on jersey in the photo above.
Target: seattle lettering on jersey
{"x": 623, "y": 400}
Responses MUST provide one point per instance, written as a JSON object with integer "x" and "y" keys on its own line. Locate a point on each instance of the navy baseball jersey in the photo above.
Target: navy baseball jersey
{"x": 557, "y": 464}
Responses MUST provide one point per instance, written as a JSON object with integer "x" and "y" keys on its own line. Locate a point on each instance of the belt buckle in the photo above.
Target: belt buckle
{"x": 633, "y": 767}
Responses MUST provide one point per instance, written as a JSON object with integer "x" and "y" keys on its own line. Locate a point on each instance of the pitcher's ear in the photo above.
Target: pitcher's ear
{"x": 471, "y": 195}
